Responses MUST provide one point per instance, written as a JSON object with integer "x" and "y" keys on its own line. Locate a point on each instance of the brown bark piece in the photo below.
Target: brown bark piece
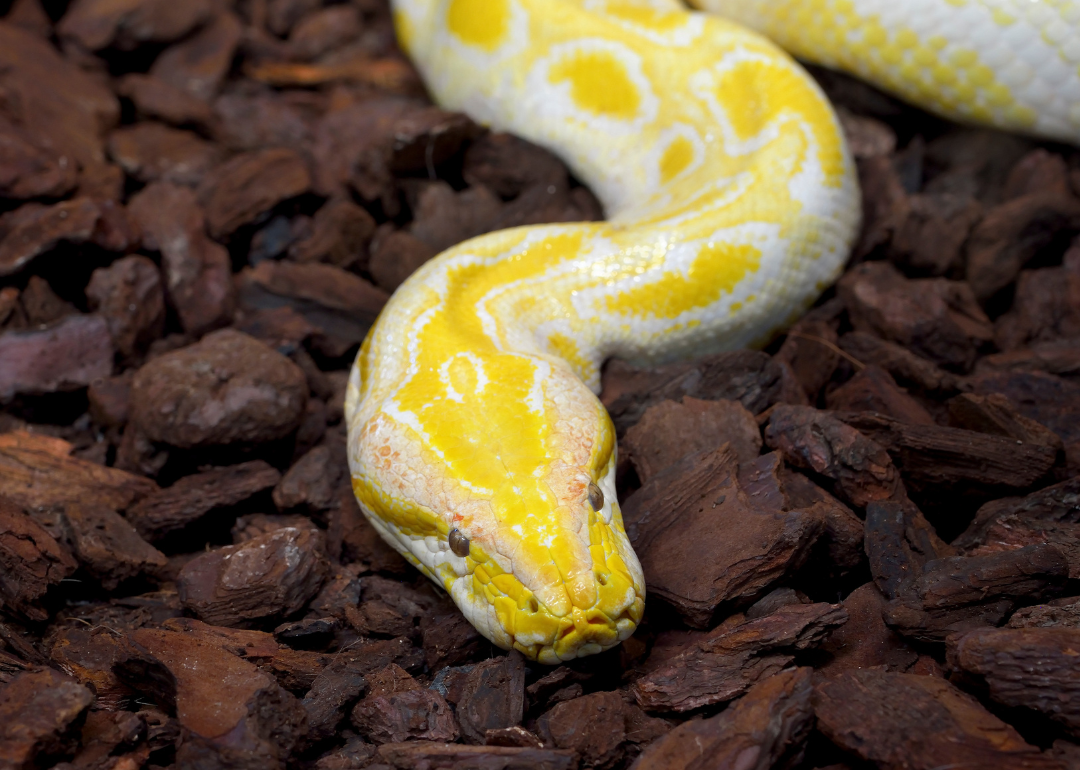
{"x": 907, "y": 369}
{"x": 88, "y": 656}
{"x": 108, "y": 547}
{"x": 721, "y": 665}
{"x": 318, "y": 33}
{"x": 37, "y": 472}
{"x": 273, "y": 575}
{"x": 864, "y": 641}
{"x": 668, "y": 431}
{"x": 600, "y": 727}
{"x": 38, "y": 711}
{"x": 883, "y": 718}
{"x": 953, "y": 459}
{"x": 899, "y": 543}
{"x": 53, "y": 98}
{"x": 30, "y": 562}
{"x": 156, "y": 99}
{"x": 151, "y": 152}
{"x": 29, "y": 167}
{"x": 340, "y": 304}
{"x": 128, "y": 294}
{"x": 1053, "y": 504}
{"x": 425, "y": 755}
{"x": 224, "y": 389}
{"x": 237, "y": 192}
{"x": 859, "y": 467}
{"x": 1046, "y": 307}
{"x": 810, "y": 349}
{"x": 873, "y": 390}
{"x": 395, "y": 255}
{"x": 449, "y": 639}
{"x": 749, "y": 377}
{"x": 98, "y": 24}
{"x": 65, "y": 356}
{"x": 1033, "y": 668}
{"x": 1038, "y": 171}
{"x": 1049, "y": 400}
{"x": 1061, "y": 358}
{"x": 41, "y": 305}
{"x": 996, "y": 415}
{"x": 700, "y": 542}
{"x": 1053, "y": 615}
{"x": 443, "y": 217}
{"x": 397, "y": 717}
{"x": 199, "y": 64}
{"x": 341, "y": 231}
{"x": 933, "y": 317}
{"x": 493, "y": 697}
{"x": 233, "y": 714}
{"x": 770, "y": 723}
{"x": 198, "y": 274}
{"x": 34, "y": 229}
{"x": 964, "y": 592}
{"x": 1014, "y": 232}
{"x": 930, "y": 238}
{"x": 199, "y": 494}
{"x": 312, "y": 482}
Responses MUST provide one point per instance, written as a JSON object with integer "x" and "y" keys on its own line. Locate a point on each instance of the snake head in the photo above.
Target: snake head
{"x": 507, "y": 503}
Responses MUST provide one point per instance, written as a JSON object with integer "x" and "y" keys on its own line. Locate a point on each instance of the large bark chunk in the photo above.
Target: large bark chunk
{"x": 747, "y": 376}
{"x": 194, "y": 496}
{"x": 37, "y": 712}
{"x": 233, "y": 714}
{"x": 67, "y": 356}
{"x": 702, "y": 544}
{"x": 225, "y": 389}
{"x": 859, "y": 467}
{"x": 883, "y": 718}
{"x": 770, "y": 722}
{"x": 273, "y": 575}
{"x": 600, "y": 727}
{"x": 721, "y": 665}
{"x": 30, "y": 562}
{"x": 37, "y": 472}
{"x": 1032, "y": 668}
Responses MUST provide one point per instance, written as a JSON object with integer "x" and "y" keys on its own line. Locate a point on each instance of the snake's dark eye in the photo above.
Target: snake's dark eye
{"x": 459, "y": 544}
{"x": 596, "y": 497}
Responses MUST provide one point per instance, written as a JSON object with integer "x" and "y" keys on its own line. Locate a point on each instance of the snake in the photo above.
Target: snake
{"x": 477, "y": 444}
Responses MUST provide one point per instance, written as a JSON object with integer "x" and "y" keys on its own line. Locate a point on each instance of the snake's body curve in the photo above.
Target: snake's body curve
{"x": 472, "y": 413}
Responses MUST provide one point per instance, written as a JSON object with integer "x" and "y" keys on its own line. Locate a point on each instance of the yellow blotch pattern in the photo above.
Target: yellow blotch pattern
{"x": 481, "y": 23}
{"x": 599, "y": 83}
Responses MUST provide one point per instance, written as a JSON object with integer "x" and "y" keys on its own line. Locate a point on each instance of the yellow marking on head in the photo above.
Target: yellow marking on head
{"x": 599, "y": 83}
{"x": 678, "y": 155}
{"x": 480, "y": 23}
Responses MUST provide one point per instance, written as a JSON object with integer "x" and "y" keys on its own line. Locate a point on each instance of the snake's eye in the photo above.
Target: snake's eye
{"x": 459, "y": 544}
{"x": 596, "y": 497}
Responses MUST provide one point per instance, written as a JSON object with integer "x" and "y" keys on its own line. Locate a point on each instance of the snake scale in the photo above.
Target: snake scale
{"x": 477, "y": 446}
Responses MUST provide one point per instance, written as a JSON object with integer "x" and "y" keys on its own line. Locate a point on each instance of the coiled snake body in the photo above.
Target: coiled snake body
{"x": 476, "y": 444}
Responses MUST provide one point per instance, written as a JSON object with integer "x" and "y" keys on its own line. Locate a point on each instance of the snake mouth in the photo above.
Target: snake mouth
{"x": 583, "y": 632}
{"x": 511, "y": 616}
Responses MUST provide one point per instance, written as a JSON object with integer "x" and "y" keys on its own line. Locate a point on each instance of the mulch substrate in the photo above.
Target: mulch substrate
{"x": 862, "y": 544}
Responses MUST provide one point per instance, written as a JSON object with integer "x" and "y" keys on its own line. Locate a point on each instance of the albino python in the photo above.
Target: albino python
{"x": 476, "y": 444}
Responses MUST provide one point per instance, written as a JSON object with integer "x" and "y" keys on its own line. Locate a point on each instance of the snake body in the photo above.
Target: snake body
{"x": 477, "y": 446}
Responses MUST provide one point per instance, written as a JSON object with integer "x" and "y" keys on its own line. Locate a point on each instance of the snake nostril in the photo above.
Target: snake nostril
{"x": 601, "y": 578}
{"x": 534, "y": 606}
{"x": 459, "y": 544}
